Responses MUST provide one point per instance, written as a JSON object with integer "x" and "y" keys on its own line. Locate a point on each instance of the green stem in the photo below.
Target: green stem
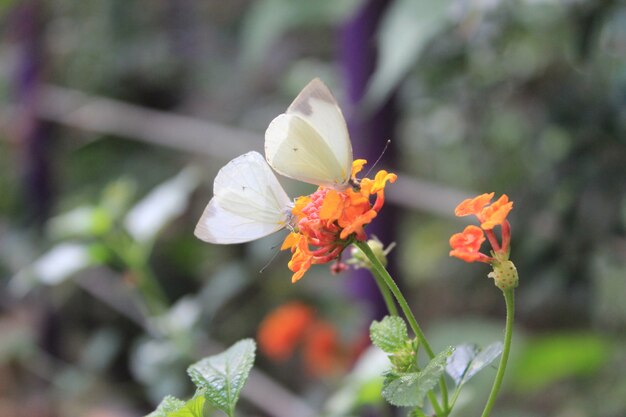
{"x": 151, "y": 290}
{"x": 435, "y": 404}
{"x": 509, "y": 298}
{"x": 455, "y": 397}
{"x": 384, "y": 290}
{"x": 390, "y": 283}
{"x": 135, "y": 259}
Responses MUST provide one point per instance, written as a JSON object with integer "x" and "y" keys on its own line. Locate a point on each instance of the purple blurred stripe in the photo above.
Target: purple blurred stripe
{"x": 370, "y": 132}
{"x": 27, "y": 25}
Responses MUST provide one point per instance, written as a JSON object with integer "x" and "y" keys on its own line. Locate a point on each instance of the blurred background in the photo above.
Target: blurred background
{"x": 116, "y": 115}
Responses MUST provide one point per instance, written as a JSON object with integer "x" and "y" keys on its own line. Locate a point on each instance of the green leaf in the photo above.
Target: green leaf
{"x": 389, "y": 334}
{"x": 83, "y": 221}
{"x": 268, "y": 20}
{"x": 173, "y": 407}
{"x": 192, "y": 408}
{"x": 416, "y": 413}
{"x": 5, "y": 4}
{"x": 410, "y": 389}
{"x": 167, "y": 406}
{"x": 54, "y": 267}
{"x": 160, "y": 206}
{"x": 405, "y": 30}
{"x": 468, "y": 359}
{"x": 549, "y": 359}
{"x": 221, "y": 377}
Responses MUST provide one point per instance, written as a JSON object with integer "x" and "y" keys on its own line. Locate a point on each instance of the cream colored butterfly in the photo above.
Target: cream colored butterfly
{"x": 310, "y": 141}
{"x": 248, "y": 203}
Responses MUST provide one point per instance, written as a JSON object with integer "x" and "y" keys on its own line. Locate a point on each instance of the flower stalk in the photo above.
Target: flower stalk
{"x": 509, "y": 297}
{"x": 466, "y": 246}
{"x": 379, "y": 269}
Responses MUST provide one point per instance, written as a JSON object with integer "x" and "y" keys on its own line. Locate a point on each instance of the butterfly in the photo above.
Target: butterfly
{"x": 310, "y": 141}
{"x": 248, "y": 203}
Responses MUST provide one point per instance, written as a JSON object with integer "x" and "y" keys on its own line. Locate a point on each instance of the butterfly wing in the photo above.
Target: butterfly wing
{"x": 310, "y": 141}
{"x": 248, "y": 203}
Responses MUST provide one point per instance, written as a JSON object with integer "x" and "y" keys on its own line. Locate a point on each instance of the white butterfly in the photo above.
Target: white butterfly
{"x": 248, "y": 203}
{"x": 310, "y": 141}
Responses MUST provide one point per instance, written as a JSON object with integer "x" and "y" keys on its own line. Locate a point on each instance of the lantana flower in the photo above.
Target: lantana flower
{"x": 282, "y": 330}
{"x": 322, "y": 352}
{"x": 295, "y": 326}
{"x": 310, "y": 143}
{"x": 325, "y": 222}
{"x": 466, "y": 245}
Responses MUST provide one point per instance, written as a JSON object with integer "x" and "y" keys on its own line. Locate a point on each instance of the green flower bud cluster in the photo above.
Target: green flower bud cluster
{"x": 504, "y": 274}
{"x": 405, "y": 359}
{"x": 359, "y": 259}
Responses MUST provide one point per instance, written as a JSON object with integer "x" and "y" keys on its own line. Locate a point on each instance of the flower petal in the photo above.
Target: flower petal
{"x": 496, "y": 213}
{"x": 357, "y": 166}
{"x": 473, "y": 205}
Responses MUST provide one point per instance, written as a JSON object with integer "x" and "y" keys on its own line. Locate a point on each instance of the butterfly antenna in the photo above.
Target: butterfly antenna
{"x": 379, "y": 158}
{"x": 271, "y": 259}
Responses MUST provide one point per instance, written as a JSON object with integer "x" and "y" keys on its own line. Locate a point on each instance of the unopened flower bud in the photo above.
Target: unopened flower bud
{"x": 405, "y": 360}
{"x": 359, "y": 259}
{"x": 504, "y": 275}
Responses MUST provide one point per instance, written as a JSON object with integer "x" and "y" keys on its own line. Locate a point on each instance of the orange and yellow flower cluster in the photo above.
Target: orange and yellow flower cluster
{"x": 326, "y": 221}
{"x": 466, "y": 245}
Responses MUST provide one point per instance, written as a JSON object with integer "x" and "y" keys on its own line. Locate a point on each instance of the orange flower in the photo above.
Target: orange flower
{"x": 495, "y": 214}
{"x": 466, "y": 245}
{"x": 489, "y": 215}
{"x": 357, "y": 166}
{"x": 296, "y": 325}
{"x": 283, "y": 329}
{"x": 326, "y": 221}
{"x": 322, "y": 352}
{"x": 473, "y": 205}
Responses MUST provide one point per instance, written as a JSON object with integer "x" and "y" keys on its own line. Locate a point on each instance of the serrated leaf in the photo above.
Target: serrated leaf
{"x": 410, "y": 389}
{"x": 167, "y": 405}
{"x": 468, "y": 359}
{"x": 483, "y": 359}
{"x": 460, "y": 360}
{"x": 221, "y": 377}
{"x": 389, "y": 334}
{"x": 173, "y": 407}
{"x": 192, "y": 408}
{"x": 416, "y": 413}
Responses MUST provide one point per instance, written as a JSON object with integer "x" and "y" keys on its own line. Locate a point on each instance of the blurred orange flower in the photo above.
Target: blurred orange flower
{"x": 322, "y": 352}
{"x": 282, "y": 329}
{"x": 295, "y": 325}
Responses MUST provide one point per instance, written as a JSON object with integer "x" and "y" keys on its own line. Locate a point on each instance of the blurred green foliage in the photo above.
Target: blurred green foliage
{"x": 523, "y": 97}
{"x": 556, "y": 357}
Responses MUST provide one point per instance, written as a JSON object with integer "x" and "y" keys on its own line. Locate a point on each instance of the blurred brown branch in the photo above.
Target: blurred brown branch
{"x": 207, "y": 139}
{"x": 182, "y": 133}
